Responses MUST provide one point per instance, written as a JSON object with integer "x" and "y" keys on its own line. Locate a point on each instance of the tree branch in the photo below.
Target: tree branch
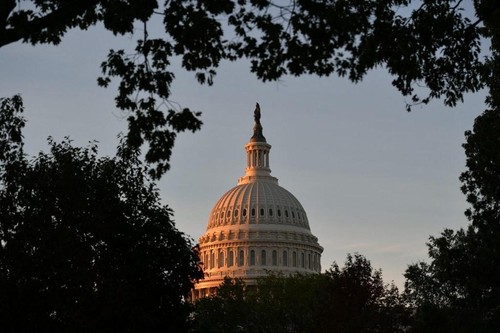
{"x": 456, "y": 6}
{"x": 58, "y": 20}
{"x": 6, "y": 7}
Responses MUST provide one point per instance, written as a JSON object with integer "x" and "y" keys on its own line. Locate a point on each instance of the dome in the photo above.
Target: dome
{"x": 256, "y": 227}
{"x": 257, "y": 204}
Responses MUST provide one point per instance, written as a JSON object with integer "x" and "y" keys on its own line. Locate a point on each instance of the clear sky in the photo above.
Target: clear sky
{"x": 372, "y": 178}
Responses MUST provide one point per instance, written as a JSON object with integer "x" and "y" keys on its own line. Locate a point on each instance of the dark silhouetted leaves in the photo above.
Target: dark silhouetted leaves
{"x": 430, "y": 44}
{"x": 85, "y": 244}
{"x": 348, "y": 299}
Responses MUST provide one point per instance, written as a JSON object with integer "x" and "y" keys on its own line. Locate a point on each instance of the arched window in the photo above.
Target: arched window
{"x": 262, "y": 212}
{"x": 241, "y": 258}
{"x": 221, "y": 259}
{"x": 285, "y": 258}
{"x": 253, "y": 211}
{"x": 270, "y": 212}
{"x": 236, "y": 213}
{"x": 244, "y": 212}
{"x": 230, "y": 257}
{"x": 294, "y": 259}
{"x": 263, "y": 258}
{"x": 309, "y": 261}
{"x": 302, "y": 260}
{"x": 286, "y": 213}
{"x": 252, "y": 258}
{"x": 275, "y": 258}
{"x": 279, "y": 212}
{"x": 212, "y": 260}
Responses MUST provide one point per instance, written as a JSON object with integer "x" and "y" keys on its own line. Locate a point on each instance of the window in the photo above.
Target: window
{"x": 275, "y": 258}
{"x": 221, "y": 259}
{"x": 252, "y": 258}
{"x": 262, "y": 212}
{"x": 253, "y": 211}
{"x": 236, "y": 213}
{"x": 230, "y": 257}
{"x": 294, "y": 259}
{"x": 244, "y": 212}
{"x": 293, "y": 214}
{"x": 302, "y": 260}
{"x": 212, "y": 260}
{"x": 286, "y": 213}
{"x": 263, "y": 258}
{"x": 270, "y": 212}
{"x": 309, "y": 260}
{"x": 279, "y": 212}
{"x": 241, "y": 258}
{"x": 285, "y": 258}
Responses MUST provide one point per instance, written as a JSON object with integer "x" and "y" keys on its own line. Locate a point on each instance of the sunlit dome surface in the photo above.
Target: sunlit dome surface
{"x": 256, "y": 227}
{"x": 258, "y": 203}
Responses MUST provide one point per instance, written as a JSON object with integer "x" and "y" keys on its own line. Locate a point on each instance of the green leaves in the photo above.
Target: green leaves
{"x": 85, "y": 244}
{"x": 459, "y": 290}
{"x": 481, "y": 181}
{"x": 348, "y": 299}
{"x": 432, "y": 51}
{"x": 11, "y": 125}
{"x": 143, "y": 91}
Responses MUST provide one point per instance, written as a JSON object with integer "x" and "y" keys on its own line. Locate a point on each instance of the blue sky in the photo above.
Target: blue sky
{"x": 372, "y": 178}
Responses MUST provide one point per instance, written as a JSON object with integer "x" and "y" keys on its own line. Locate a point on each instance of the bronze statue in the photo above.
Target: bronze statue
{"x": 256, "y": 113}
{"x": 257, "y": 128}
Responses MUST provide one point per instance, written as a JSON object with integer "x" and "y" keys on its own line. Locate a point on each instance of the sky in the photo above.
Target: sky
{"x": 373, "y": 178}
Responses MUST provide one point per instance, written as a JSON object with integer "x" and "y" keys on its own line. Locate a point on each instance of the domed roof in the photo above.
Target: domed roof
{"x": 258, "y": 203}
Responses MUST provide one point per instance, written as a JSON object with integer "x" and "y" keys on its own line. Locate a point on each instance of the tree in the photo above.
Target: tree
{"x": 435, "y": 45}
{"x": 459, "y": 290}
{"x": 296, "y": 300}
{"x": 85, "y": 245}
{"x": 228, "y": 310}
{"x": 359, "y": 301}
{"x": 353, "y": 298}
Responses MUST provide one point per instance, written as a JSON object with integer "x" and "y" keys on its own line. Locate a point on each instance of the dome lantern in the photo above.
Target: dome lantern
{"x": 257, "y": 155}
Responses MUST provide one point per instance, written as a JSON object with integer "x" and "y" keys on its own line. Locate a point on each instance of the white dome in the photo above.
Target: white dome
{"x": 258, "y": 203}
{"x": 256, "y": 227}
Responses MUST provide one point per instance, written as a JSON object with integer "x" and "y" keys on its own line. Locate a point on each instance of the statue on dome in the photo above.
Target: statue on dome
{"x": 256, "y": 113}
{"x": 257, "y": 128}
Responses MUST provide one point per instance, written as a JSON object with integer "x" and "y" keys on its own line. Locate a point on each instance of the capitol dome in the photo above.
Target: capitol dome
{"x": 256, "y": 227}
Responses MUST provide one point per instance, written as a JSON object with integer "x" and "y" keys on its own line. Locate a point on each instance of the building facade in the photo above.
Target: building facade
{"x": 256, "y": 227}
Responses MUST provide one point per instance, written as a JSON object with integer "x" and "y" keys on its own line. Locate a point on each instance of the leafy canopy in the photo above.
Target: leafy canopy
{"x": 353, "y": 298}
{"x": 85, "y": 244}
{"x": 459, "y": 290}
{"x": 421, "y": 43}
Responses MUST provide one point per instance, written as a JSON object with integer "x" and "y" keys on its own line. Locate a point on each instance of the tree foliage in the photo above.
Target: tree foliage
{"x": 421, "y": 43}
{"x": 359, "y": 301}
{"x": 85, "y": 245}
{"x": 459, "y": 290}
{"x": 348, "y": 299}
